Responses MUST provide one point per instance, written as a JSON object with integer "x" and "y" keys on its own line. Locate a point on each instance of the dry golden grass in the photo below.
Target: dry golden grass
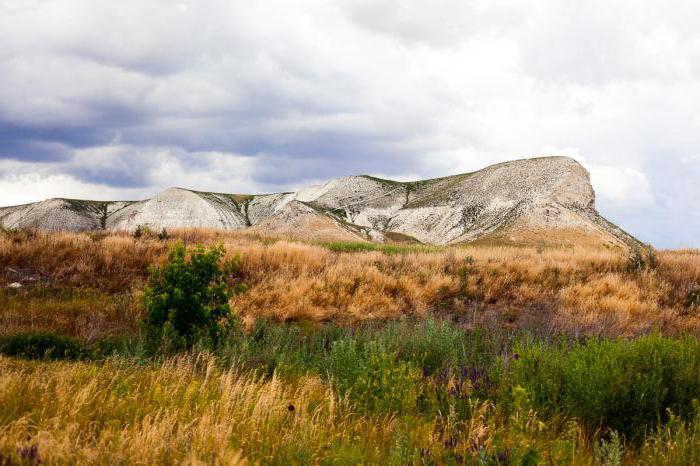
{"x": 184, "y": 411}
{"x": 580, "y": 290}
{"x": 85, "y": 314}
{"x": 189, "y": 410}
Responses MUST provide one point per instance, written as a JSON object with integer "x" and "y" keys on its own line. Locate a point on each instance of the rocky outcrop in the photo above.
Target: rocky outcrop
{"x": 178, "y": 207}
{"x": 298, "y": 220}
{"x": 543, "y": 194}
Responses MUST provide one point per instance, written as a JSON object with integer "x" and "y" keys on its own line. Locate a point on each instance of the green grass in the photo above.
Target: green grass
{"x": 384, "y": 248}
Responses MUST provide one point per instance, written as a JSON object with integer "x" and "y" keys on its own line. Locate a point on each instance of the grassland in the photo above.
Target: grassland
{"x": 88, "y": 285}
{"x": 349, "y": 354}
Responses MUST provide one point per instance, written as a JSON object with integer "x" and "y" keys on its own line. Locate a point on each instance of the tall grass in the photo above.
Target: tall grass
{"x": 402, "y": 393}
{"x": 583, "y": 291}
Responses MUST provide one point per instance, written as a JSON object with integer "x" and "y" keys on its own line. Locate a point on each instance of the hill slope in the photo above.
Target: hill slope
{"x": 544, "y": 199}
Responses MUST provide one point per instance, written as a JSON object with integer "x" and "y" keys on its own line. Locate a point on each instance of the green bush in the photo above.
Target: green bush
{"x": 186, "y": 300}
{"x": 623, "y": 385}
{"x": 372, "y": 376}
{"x": 429, "y": 343}
{"x": 642, "y": 258}
{"x": 40, "y": 346}
{"x": 163, "y": 235}
{"x": 693, "y": 298}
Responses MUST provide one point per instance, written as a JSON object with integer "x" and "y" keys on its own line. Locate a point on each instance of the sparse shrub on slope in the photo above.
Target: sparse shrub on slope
{"x": 641, "y": 259}
{"x": 186, "y": 299}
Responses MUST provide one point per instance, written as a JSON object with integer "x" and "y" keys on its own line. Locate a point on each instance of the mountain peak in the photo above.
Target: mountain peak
{"x": 543, "y": 194}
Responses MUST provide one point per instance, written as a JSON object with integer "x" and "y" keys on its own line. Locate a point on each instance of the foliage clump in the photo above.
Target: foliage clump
{"x": 40, "y": 345}
{"x": 693, "y": 298}
{"x": 186, "y": 299}
{"x": 374, "y": 377}
{"x": 624, "y": 385}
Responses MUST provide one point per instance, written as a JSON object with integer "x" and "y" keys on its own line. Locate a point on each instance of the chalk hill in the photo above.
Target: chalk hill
{"x": 546, "y": 199}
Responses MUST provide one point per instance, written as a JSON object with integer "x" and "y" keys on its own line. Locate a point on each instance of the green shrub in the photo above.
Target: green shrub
{"x": 693, "y": 298}
{"x": 186, "y": 300}
{"x": 642, "y": 258}
{"x": 40, "y": 346}
{"x": 624, "y": 385}
{"x": 609, "y": 452}
{"x": 372, "y": 376}
{"x": 429, "y": 343}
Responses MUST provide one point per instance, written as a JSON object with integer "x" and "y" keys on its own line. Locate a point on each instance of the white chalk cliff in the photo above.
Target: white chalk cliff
{"x": 537, "y": 195}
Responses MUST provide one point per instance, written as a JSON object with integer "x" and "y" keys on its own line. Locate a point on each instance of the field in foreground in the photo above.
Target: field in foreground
{"x": 407, "y": 393}
{"x": 351, "y": 353}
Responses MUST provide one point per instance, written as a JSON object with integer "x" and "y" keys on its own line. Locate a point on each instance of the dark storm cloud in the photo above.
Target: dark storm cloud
{"x": 47, "y": 143}
{"x": 32, "y": 144}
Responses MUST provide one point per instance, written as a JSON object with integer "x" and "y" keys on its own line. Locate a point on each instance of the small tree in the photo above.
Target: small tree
{"x": 186, "y": 299}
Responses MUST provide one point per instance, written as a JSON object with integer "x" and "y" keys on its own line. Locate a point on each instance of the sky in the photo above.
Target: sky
{"x": 122, "y": 99}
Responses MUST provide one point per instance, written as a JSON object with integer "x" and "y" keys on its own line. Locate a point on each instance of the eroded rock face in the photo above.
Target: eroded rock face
{"x": 52, "y": 215}
{"x": 178, "y": 207}
{"x": 542, "y": 193}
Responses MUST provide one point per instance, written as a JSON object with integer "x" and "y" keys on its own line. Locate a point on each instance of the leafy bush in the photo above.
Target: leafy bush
{"x": 372, "y": 376}
{"x": 609, "y": 452}
{"x": 624, "y": 385}
{"x": 186, "y": 300}
{"x": 429, "y": 343}
{"x": 40, "y": 346}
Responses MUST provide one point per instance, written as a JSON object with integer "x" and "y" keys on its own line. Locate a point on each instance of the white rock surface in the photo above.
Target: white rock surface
{"x": 51, "y": 214}
{"x": 540, "y": 193}
{"x": 297, "y": 220}
{"x": 177, "y": 207}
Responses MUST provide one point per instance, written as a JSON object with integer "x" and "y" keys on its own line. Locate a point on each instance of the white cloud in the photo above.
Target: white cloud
{"x": 622, "y": 187}
{"x": 14, "y": 189}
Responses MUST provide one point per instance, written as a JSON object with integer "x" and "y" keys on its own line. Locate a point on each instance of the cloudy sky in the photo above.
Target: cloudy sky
{"x": 120, "y": 99}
